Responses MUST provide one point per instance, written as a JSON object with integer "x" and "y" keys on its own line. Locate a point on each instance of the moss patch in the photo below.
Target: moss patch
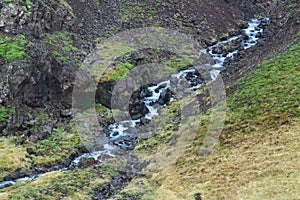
{"x": 61, "y": 45}
{"x": 138, "y": 188}
{"x": 59, "y": 185}
{"x": 12, "y": 48}
{"x": 12, "y": 157}
{"x": 56, "y": 149}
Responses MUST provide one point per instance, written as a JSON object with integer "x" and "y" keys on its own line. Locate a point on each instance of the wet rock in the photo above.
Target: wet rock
{"x": 197, "y": 196}
{"x": 145, "y": 92}
{"x": 137, "y": 110}
{"x": 144, "y": 120}
{"x": 86, "y": 162}
{"x": 125, "y": 142}
{"x": 104, "y": 93}
{"x": 6, "y": 184}
{"x": 66, "y": 113}
{"x": 2, "y": 126}
{"x": 165, "y": 97}
{"x": 33, "y": 138}
{"x": 245, "y": 25}
{"x": 259, "y": 35}
{"x": 224, "y": 37}
{"x": 244, "y": 35}
{"x": 137, "y": 56}
{"x": 103, "y": 192}
{"x": 264, "y": 23}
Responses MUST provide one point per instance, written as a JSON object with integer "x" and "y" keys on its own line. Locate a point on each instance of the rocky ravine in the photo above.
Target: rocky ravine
{"x": 38, "y": 75}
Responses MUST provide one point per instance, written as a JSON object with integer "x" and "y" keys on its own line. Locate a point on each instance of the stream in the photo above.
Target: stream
{"x": 156, "y": 96}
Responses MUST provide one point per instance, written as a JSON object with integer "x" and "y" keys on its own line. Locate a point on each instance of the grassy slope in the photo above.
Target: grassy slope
{"x": 76, "y": 184}
{"x": 258, "y": 153}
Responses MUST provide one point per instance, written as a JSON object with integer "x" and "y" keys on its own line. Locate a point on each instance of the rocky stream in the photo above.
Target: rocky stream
{"x": 123, "y": 134}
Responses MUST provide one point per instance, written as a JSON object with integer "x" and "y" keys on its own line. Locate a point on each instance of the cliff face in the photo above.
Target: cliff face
{"x": 57, "y": 35}
{"x": 47, "y": 25}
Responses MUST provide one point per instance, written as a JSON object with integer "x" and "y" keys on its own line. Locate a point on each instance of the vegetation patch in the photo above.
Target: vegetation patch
{"x": 166, "y": 127}
{"x": 76, "y": 184}
{"x": 178, "y": 63}
{"x": 257, "y": 156}
{"x": 13, "y": 158}
{"x": 135, "y": 11}
{"x": 104, "y": 68}
{"x": 12, "y": 48}
{"x": 136, "y": 189}
{"x": 3, "y": 114}
{"x": 62, "y": 46}
{"x": 56, "y": 149}
{"x": 270, "y": 96}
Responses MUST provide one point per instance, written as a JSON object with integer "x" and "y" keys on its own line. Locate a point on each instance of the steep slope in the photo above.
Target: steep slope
{"x": 257, "y": 155}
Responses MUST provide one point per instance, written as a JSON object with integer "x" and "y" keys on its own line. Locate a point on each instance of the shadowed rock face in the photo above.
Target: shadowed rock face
{"x": 90, "y": 20}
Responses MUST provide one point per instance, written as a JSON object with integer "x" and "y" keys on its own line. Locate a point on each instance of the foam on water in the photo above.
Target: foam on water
{"x": 253, "y": 32}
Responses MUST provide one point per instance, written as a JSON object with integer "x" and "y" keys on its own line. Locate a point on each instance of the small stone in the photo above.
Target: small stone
{"x": 197, "y": 196}
{"x": 66, "y": 113}
{"x": 33, "y": 138}
{"x": 244, "y": 25}
{"x": 2, "y": 24}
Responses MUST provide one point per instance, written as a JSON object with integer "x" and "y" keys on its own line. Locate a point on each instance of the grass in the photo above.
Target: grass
{"x": 135, "y": 11}
{"x": 3, "y": 114}
{"x": 257, "y": 156}
{"x": 76, "y": 184}
{"x": 13, "y": 157}
{"x": 271, "y": 93}
{"x": 103, "y": 68}
{"x": 12, "y": 48}
{"x": 56, "y": 149}
{"x": 61, "y": 45}
{"x": 119, "y": 71}
{"x": 136, "y": 189}
{"x": 178, "y": 62}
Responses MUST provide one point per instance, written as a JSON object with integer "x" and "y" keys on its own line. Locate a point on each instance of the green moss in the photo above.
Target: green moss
{"x": 28, "y": 2}
{"x": 12, "y": 48}
{"x": 178, "y": 62}
{"x": 66, "y": 5}
{"x": 56, "y": 149}
{"x": 58, "y": 185}
{"x": 13, "y": 157}
{"x": 61, "y": 45}
{"x": 272, "y": 91}
{"x": 135, "y": 10}
{"x": 3, "y": 114}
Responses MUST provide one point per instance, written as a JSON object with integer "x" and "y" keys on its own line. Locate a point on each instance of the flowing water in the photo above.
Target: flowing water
{"x": 155, "y": 97}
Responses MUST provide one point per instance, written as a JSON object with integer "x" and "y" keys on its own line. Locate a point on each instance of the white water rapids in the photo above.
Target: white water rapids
{"x": 120, "y": 133}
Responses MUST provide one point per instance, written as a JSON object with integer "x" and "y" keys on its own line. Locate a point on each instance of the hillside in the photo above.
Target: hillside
{"x": 72, "y": 70}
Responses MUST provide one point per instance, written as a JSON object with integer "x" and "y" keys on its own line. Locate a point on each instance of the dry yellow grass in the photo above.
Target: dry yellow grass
{"x": 12, "y": 157}
{"x": 263, "y": 165}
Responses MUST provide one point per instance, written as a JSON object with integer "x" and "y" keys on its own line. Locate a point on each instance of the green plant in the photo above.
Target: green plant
{"x": 55, "y": 149}
{"x": 3, "y": 114}
{"x": 177, "y": 62}
{"x": 12, "y": 48}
